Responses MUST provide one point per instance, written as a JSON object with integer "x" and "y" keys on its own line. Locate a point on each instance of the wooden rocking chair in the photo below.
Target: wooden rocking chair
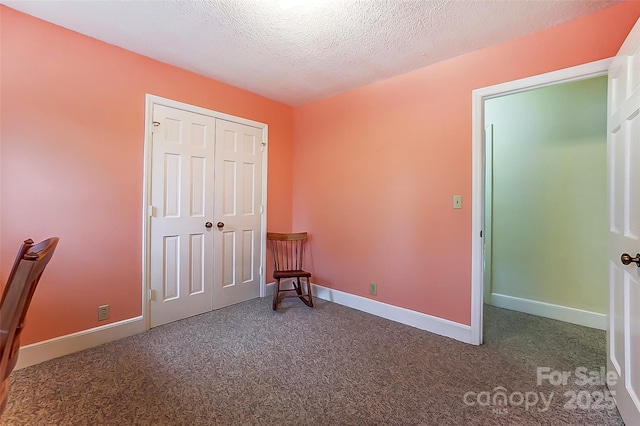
{"x": 287, "y": 251}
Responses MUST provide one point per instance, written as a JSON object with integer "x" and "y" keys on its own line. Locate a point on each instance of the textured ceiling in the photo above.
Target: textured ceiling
{"x": 307, "y": 52}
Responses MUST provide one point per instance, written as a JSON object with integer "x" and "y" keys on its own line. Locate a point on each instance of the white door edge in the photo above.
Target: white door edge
{"x": 150, "y": 101}
{"x": 487, "y": 251}
{"x": 579, "y": 72}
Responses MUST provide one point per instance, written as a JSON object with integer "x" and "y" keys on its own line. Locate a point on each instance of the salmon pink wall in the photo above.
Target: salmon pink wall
{"x": 72, "y": 163}
{"x": 375, "y": 169}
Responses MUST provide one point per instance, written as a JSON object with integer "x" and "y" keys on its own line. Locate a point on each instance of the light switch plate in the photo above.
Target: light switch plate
{"x": 457, "y": 201}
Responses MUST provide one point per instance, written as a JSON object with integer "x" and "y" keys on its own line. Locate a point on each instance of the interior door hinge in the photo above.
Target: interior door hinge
{"x": 261, "y": 209}
{"x": 156, "y": 124}
{"x": 260, "y": 271}
{"x": 150, "y": 294}
{"x": 152, "y": 211}
{"x": 480, "y": 234}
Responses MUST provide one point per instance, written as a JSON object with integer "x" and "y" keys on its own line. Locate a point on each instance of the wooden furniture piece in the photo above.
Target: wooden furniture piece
{"x": 16, "y": 297}
{"x": 287, "y": 251}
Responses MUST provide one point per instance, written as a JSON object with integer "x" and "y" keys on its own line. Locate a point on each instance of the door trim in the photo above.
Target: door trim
{"x": 150, "y": 101}
{"x": 579, "y": 72}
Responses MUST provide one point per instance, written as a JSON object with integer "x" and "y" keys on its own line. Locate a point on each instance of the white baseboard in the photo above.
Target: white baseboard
{"x": 416, "y": 319}
{"x": 549, "y": 310}
{"x": 64, "y": 345}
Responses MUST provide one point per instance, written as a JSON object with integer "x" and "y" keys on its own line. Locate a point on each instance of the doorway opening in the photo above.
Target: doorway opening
{"x": 545, "y": 222}
{"x": 480, "y": 96}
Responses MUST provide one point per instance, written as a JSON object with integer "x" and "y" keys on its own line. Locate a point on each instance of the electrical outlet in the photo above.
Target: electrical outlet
{"x": 373, "y": 289}
{"x": 103, "y": 312}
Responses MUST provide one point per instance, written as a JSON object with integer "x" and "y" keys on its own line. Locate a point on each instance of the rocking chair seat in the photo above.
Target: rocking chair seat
{"x": 291, "y": 274}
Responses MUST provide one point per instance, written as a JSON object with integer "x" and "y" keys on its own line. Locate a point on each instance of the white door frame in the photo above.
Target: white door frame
{"x": 150, "y": 101}
{"x": 580, "y": 72}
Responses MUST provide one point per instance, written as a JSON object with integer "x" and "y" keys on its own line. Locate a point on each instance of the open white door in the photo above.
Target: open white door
{"x": 623, "y": 140}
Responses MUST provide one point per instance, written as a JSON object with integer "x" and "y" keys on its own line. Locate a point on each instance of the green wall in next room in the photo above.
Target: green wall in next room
{"x": 548, "y": 195}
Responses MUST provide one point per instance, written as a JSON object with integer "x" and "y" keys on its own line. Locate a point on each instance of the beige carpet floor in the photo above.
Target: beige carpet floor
{"x": 248, "y": 365}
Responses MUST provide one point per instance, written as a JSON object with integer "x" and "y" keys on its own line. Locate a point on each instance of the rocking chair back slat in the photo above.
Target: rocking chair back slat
{"x": 287, "y": 250}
